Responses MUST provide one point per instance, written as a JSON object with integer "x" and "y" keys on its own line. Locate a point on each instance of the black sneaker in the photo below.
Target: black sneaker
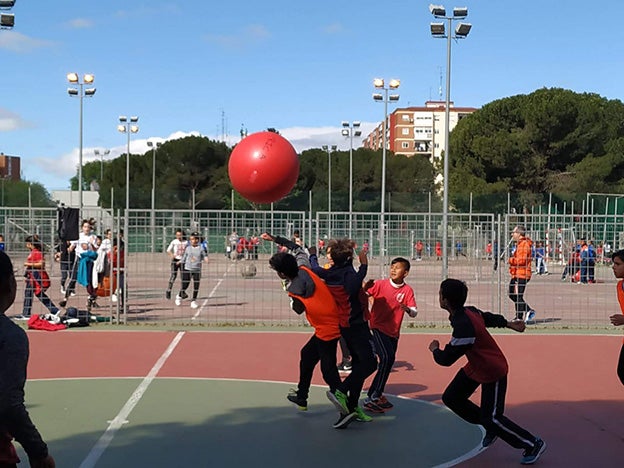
{"x": 344, "y": 420}
{"x": 531, "y": 455}
{"x": 63, "y": 302}
{"x": 489, "y": 439}
{"x": 345, "y": 367}
{"x": 183, "y": 295}
{"x": 168, "y": 294}
{"x": 302, "y": 403}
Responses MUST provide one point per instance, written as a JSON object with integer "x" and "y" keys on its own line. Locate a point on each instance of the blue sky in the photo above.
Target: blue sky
{"x": 205, "y": 67}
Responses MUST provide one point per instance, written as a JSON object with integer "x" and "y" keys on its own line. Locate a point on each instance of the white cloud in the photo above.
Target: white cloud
{"x": 10, "y": 121}
{"x": 17, "y": 42}
{"x": 333, "y": 28}
{"x": 249, "y": 36}
{"x": 80, "y": 23}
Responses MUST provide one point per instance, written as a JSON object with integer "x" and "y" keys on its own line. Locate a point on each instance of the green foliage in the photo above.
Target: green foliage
{"x": 552, "y": 140}
{"x": 24, "y": 193}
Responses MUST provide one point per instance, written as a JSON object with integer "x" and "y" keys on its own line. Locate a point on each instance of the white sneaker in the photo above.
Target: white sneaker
{"x": 114, "y": 298}
{"x": 178, "y": 300}
{"x": 194, "y": 305}
{"x": 63, "y": 290}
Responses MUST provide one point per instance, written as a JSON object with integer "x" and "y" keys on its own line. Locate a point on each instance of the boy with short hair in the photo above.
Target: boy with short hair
{"x": 191, "y": 262}
{"x": 486, "y": 367}
{"x": 175, "y": 250}
{"x": 393, "y": 298}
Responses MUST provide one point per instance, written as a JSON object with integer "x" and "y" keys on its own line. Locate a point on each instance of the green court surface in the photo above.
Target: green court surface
{"x": 234, "y": 423}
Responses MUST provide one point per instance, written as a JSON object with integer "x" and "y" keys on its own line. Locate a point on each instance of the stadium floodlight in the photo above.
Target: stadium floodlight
{"x": 7, "y": 21}
{"x": 460, "y": 12}
{"x": 462, "y": 30}
{"x": 438, "y": 29}
{"x": 7, "y": 4}
{"x": 437, "y": 10}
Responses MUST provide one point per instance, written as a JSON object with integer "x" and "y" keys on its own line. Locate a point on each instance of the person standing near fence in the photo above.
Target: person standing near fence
{"x": 520, "y": 269}
{"x": 486, "y": 368}
{"x": 37, "y": 280}
{"x": 85, "y": 248}
{"x": 175, "y": 250}
{"x": 191, "y": 262}
{"x": 66, "y": 258}
{"x": 15, "y": 421}
{"x": 618, "y": 319}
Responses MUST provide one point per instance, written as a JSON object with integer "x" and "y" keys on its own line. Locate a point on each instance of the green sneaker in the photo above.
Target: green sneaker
{"x": 361, "y": 415}
{"x": 339, "y": 400}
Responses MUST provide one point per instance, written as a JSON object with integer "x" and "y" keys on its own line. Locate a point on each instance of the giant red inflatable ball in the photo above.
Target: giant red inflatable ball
{"x": 263, "y": 167}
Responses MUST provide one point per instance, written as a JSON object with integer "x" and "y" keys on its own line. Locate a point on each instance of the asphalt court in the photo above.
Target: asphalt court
{"x": 217, "y": 422}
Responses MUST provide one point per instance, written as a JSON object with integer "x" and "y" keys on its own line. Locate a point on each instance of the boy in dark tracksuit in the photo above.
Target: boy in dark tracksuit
{"x": 487, "y": 367}
{"x": 346, "y": 286}
{"x": 309, "y": 294}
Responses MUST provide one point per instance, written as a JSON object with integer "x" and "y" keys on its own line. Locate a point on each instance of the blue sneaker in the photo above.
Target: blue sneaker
{"x": 530, "y": 315}
{"x": 531, "y": 455}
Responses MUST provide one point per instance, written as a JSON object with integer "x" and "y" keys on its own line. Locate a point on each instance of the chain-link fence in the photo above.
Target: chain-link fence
{"x": 238, "y": 288}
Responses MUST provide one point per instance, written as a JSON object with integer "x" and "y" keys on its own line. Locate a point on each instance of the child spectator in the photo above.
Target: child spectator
{"x": 37, "y": 280}
{"x": 392, "y": 299}
{"x": 486, "y": 368}
{"x": 175, "y": 250}
{"x": 191, "y": 262}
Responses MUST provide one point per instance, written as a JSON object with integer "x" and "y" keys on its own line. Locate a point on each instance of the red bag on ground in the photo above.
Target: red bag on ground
{"x": 35, "y": 322}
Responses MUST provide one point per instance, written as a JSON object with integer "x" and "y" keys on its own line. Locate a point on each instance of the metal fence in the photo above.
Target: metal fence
{"x": 240, "y": 289}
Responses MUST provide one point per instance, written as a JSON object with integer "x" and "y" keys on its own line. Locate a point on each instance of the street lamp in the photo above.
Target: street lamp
{"x": 80, "y": 92}
{"x": 101, "y": 153}
{"x": 351, "y": 129}
{"x": 154, "y": 145}
{"x": 379, "y": 83}
{"x": 329, "y": 150}
{"x": 439, "y": 31}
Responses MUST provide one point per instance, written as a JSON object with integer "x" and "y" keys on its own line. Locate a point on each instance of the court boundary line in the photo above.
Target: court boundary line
{"x": 105, "y": 439}
{"x": 212, "y": 293}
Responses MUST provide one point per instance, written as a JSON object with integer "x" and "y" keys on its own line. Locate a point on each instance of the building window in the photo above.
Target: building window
{"x": 405, "y": 145}
{"x": 405, "y": 117}
{"x": 405, "y": 131}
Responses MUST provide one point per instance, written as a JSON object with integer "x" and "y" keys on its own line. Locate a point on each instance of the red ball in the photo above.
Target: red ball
{"x": 263, "y": 167}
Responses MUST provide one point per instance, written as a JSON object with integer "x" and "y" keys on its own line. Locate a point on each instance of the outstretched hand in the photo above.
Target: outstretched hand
{"x": 267, "y": 237}
{"x": 369, "y": 284}
{"x": 517, "y": 325}
{"x": 435, "y": 344}
{"x": 362, "y": 257}
{"x": 617, "y": 319}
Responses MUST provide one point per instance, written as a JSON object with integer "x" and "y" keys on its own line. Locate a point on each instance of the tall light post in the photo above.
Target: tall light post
{"x": 329, "y": 150}
{"x": 439, "y": 31}
{"x": 101, "y": 154}
{"x": 80, "y": 92}
{"x": 351, "y": 129}
{"x": 379, "y": 83}
{"x": 128, "y": 126}
{"x": 154, "y": 145}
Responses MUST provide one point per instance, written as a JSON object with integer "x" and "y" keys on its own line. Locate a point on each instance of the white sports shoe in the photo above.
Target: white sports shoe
{"x": 178, "y": 300}
{"x": 194, "y": 305}
{"x": 114, "y": 298}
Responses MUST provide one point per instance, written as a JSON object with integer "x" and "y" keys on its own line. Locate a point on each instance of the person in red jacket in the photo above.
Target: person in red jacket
{"x": 486, "y": 368}
{"x": 618, "y": 319}
{"x": 520, "y": 263}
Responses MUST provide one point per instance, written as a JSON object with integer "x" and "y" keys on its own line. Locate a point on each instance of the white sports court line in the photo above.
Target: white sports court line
{"x": 212, "y": 293}
{"x": 104, "y": 441}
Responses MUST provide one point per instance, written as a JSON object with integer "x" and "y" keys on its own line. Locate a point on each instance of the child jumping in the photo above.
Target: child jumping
{"x": 393, "y": 298}
{"x": 486, "y": 367}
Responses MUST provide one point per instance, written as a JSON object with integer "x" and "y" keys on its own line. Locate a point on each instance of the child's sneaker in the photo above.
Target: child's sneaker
{"x": 167, "y": 294}
{"x": 194, "y": 305}
{"x": 383, "y": 402}
{"x": 489, "y": 439}
{"x": 345, "y": 367}
{"x": 344, "y": 420}
{"x": 183, "y": 295}
{"x": 178, "y": 300}
{"x": 531, "y": 455}
{"x": 114, "y": 298}
{"x": 302, "y": 403}
{"x": 339, "y": 400}
{"x": 372, "y": 406}
{"x": 362, "y": 416}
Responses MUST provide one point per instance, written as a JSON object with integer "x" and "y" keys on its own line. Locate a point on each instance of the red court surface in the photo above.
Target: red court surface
{"x": 563, "y": 388}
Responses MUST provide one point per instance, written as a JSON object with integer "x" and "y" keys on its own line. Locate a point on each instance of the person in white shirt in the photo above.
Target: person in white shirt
{"x": 86, "y": 249}
{"x": 175, "y": 250}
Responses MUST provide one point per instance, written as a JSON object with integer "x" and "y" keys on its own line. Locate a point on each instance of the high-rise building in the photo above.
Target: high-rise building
{"x": 9, "y": 167}
{"x": 417, "y": 131}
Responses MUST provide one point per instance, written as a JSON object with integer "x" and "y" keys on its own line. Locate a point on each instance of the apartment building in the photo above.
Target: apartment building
{"x": 417, "y": 130}
{"x": 10, "y": 167}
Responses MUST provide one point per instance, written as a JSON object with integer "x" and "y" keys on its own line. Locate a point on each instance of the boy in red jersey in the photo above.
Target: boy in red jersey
{"x": 618, "y": 319}
{"x": 393, "y": 298}
{"x": 309, "y": 294}
{"x": 486, "y": 367}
